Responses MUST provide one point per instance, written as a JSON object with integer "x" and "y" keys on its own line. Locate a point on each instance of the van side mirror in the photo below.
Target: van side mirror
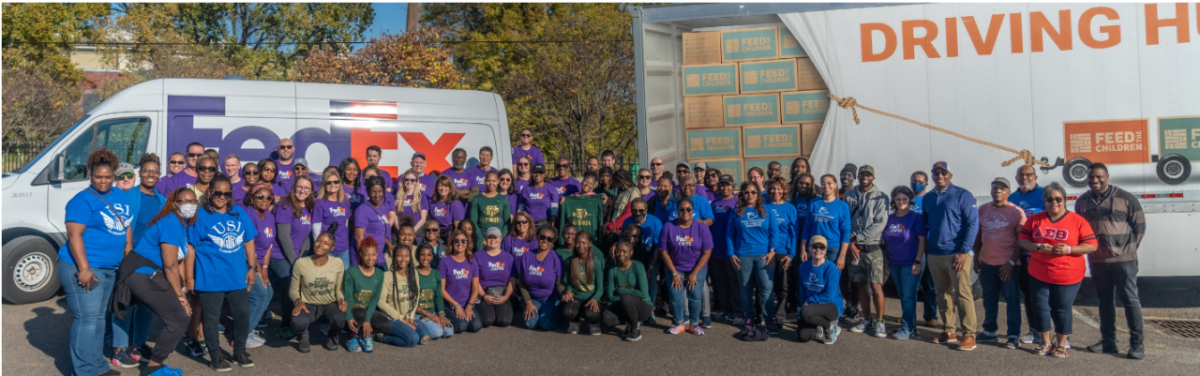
{"x": 56, "y": 168}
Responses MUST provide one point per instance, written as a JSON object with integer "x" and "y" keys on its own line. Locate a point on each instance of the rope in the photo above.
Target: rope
{"x": 1022, "y": 155}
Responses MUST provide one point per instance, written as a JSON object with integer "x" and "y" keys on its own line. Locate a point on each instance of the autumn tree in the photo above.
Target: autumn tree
{"x": 404, "y": 60}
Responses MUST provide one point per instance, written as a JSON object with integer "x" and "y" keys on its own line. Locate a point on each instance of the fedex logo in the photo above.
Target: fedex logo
{"x": 518, "y": 251}
{"x": 496, "y": 266}
{"x": 1051, "y": 234}
{"x": 438, "y": 212}
{"x": 536, "y": 196}
{"x": 461, "y": 273}
{"x": 337, "y": 211}
{"x": 536, "y": 270}
{"x": 684, "y": 241}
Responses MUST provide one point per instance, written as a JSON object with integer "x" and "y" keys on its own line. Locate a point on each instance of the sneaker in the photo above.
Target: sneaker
{"x": 1031, "y": 337}
{"x": 771, "y": 328}
{"x": 901, "y": 334}
{"x": 651, "y": 320}
{"x": 1137, "y": 352}
{"x": 243, "y": 360}
{"x": 987, "y": 337}
{"x": 331, "y": 343}
{"x": 706, "y": 323}
{"x": 820, "y": 333}
{"x": 198, "y": 348}
{"x": 946, "y": 338}
{"x": 287, "y": 334}
{"x": 847, "y": 320}
{"x": 255, "y": 340}
{"x": 677, "y": 329}
{"x": 1068, "y": 346}
{"x": 220, "y": 365}
{"x": 1013, "y": 343}
{"x": 368, "y": 345}
{"x": 111, "y": 372}
{"x": 1103, "y": 347}
{"x": 142, "y": 353}
{"x": 695, "y": 330}
{"x": 880, "y": 329}
{"x": 967, "y": 344}
{"x": 121, "y": 358}
{"x": 860, "y": 327}
{"x": 352, "y": 345}
{"x": 833, "y": 334}
{"x": 594, "y": 329}
{"x": 573, "y": 327}
{"x": 635, "y": 334}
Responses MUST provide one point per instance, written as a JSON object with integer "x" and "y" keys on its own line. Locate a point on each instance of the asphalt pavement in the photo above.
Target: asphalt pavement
{"x": 35, "y": 340}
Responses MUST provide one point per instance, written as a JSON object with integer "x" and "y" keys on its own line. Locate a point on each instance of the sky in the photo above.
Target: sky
{"x": 389, "y": 17}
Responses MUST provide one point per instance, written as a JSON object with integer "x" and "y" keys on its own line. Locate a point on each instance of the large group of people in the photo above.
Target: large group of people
{"x": 365, "y": 258}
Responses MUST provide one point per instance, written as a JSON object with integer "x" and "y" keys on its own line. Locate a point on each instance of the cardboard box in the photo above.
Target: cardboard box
{"x": 750, "y": 44}
{"x": 804, "y": 106}
{"x": 728, "y": 166}
{"x": 771, "y": 141}
{"x": 703, "y": 112}
{"x": 807, "y": 77}
{"x": 785, "y": 164}
{"x": 769, "y": 76}
{"x": 760, "y": 109}
{"x": 714, "y": 143}
{"x": 788, "y": 45}
{"x": 702, "y": 48}
{"x": 713, "y": 79}
{"x": 809, "y": 133}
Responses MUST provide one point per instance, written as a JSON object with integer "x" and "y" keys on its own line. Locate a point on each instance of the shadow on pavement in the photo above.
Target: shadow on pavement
{"x": 47, "y": 331}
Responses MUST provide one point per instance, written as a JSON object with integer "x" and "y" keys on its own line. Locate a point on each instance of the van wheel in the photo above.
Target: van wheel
{"x": 1075, "y": 172}
{"x": 30, "y": 270}
{"x": 1174, "y": 169}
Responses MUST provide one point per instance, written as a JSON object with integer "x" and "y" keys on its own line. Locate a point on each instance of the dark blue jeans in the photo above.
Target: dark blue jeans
{"x": 993, "y": 288}
{"x": 1119, "y": 279}
{"x": 906, "y": 286}
{"x": 1052, "y": 303}
{"x": 89, "y": 309}
{"x": 685, "y": 299}
{"x": 753, "y": 272}
{"x": 400, "y": 334}
{"x": 547, "y": 314}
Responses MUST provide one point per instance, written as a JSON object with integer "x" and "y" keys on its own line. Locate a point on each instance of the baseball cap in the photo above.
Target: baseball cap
{"x": 419, "y": 154}
{"x": 124, "y": 168}
{"x": 1002, "y": 180}
{"x": 941, "y": 165}
{"x": 818, "y": 239}
{"x": 726, "y": 179}
{"x": 701, "y": 165}
{"x": 851, "y": 168}
{"x": 867, "y": 169}
{"x": 301, "y": 162}
{"x": 538, "y": 167}
{"x": 494, "y": 232}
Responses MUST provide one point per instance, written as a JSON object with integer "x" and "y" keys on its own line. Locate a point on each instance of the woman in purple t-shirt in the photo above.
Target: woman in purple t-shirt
{"x": 265, "y": 249}
{"x": 540, "y": 272}
{"x": 904, "y": 241}
{"x": 509, "y": 189}
{"x": 375, "y": 219}
{"x": 332, "y": 206}
{"x": 293, "y": 221}
{"x": 540, "y": 198}
{"x": 460, "y": 274}
{"x": 409, "y": 200}
{"x": 520, "y": 237}
{"x": 496, "y": 281}
{"x": 686, "y": 246}
{"x": 445, "y": 207}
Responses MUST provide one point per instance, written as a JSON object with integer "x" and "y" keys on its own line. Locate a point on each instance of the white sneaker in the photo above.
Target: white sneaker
{"x": 820, "y": 333}
{"x": 1031, "y": 337}
{"x": 255, "y": 340}
{"x": 880, "y": 329}
{"x": 861, "y": 327}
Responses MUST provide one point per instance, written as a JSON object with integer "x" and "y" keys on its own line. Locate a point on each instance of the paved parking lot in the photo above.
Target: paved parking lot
{"x": 35, "y": 343}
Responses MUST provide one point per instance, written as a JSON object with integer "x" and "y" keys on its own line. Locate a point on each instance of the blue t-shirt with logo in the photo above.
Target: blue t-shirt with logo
{"x": 721, "y": 211}
{"x": 167, "y": 230}
{"x": 651, "y": 230}
{"x": 831, "y": 220}
{"x": 104, "y": 237}
{"x": 1031, "y": 202}
{"x": 220, "y": 254}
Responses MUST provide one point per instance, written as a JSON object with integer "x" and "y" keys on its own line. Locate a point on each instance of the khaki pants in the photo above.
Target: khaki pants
{"x": 954, "y": 287}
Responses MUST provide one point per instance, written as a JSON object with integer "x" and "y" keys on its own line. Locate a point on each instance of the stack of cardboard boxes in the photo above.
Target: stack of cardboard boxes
{"x": 751, "y": 97}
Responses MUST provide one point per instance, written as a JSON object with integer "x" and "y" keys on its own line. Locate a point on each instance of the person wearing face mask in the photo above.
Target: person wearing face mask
{"x": 98, "y": 235}
{"x": 919, "y": 181}
{"x": 154, "y": 275}
{"x": 662, "y": 206}
{"x": 293, "y": 220}
{"x": 724, "y": 277}
{"x": 463, "y": 180}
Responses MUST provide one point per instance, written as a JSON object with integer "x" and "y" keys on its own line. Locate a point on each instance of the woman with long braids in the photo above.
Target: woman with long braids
{"x": 265, "y": 249}
{"x": 460, "y": 275}
{"x": 223, "y": 238}
{"x": 750, "y": 240}
{"x": 348, "y": 172}
{"x": 583, "y": 286}
{"x": 98, "y": 221}
{"x": 363, "y": 284}
{"x": 250, "y": 176}
{"x": 332, "y": 206}
{"x": 293, "y": 220}
{"x": 316, "y": 292}
{"x": 430, "y": 305}
{"x": 400, "y": 301}
{"x": 374, "y": 219}
{"x": 158, "y": 280}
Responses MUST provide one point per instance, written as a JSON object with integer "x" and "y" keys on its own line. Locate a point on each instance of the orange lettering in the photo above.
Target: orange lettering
{"x": 1180, "y": 22}
{"x": 1038, "y": 24}
{"x": 983, "y": 47}
{"x": 925, "y": 42}
{"x": 1014, "y": 29}
{"x": 868, "y": 50}
{"x": 1112, "y": 31}
{"x": 951, "y": 37}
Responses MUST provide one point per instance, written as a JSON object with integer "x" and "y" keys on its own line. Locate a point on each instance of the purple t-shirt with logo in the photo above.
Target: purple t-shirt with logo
{"x": 538, "y": 202}
{"x": 458, "y": 278}
{"x": 519, "y": 184}
{"x": 721, "y": 211}
{"x": 539, "y": 276}
{"x": 517, "y": 246}
{"x": 375, "y": 221}
{"x": 285, "y": 174}
{"x": 328, "y": 212}
{"x": 445, "y": 214}
{"x": 479, "y": 175}
{"x": 567, "y": 186}
{"x": 265, "y": 241}
{"x": 494, "y": 271}
{"x": 685, "y": 245}
{"x": 301, "y": 226}
{"x": 534, "y": 154}
{"x": 462, "y": 180}
{"x": 901, "y": 235}
{"x": 405, "y": 207}
{"x": 168, "y": 185}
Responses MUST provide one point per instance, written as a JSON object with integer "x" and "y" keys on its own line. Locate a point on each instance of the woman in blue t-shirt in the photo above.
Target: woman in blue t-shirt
{"x": 819, "y": 296}
{"x": 162, "y": 288}
{"x": 225, "y": 266}
{"x": 98, "y": 221}
{"x": 750, "y": 244}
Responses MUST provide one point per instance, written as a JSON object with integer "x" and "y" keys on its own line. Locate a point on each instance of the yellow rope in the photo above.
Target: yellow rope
{"x": 1022, "y": 155}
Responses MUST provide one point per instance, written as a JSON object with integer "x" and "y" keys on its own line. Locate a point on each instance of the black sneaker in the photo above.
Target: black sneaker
{"x": 243, "y": 360}
{"x": 1103, "y": 347}
{"x": 143, "y": 353}
{"x": 121, "y": 358}
{"x": 304, "y": 342}
{"x": 573, "y": 327}
{"x": 220, "y": 365}
{"x": 111, "y": 372}
{"x": 634, "y": 334}
{"x": 594, "y": 329}
{"x": 198, "y": 349}
{"x": 1013, "y": 343}
{"x": 331, "y": 344}
{"x": 1137, "y": 352}
{"x": 771, "y": 328}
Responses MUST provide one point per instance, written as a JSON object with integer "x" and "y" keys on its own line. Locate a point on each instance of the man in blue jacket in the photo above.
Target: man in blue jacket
{"x": 953, "y": 222}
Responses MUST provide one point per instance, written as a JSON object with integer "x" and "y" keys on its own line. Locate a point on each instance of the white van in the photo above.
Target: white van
{"x": 248, "y": 118}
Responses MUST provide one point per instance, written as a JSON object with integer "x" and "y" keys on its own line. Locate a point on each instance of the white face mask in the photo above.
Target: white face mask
{"x": 187, "y": 211}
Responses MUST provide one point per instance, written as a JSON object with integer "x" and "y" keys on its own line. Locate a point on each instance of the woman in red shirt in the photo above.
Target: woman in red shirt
{"x": 1057, "y": 240}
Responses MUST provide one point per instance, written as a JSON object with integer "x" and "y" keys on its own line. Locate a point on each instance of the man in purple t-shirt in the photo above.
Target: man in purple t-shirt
{"x": 526, "y": 148}
{"x": 566, "y": 184}
{"x": 462, "y": 179}
{"x": 374, "y": 155}
{"x": 478, "y": 173}
{"x": 425, "y": 181}
{"x": 184, "y": 178}
{"x": 286, "y": 151}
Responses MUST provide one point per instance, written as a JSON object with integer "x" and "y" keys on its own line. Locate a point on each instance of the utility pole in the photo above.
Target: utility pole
{"x": 413, "y": 10}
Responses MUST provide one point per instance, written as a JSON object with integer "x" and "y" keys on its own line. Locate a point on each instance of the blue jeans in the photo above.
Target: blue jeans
{"x": 433, "y": 329}
{"x": 88, "y": 308}
{"x": 546, "y": 318}
{"x": 906, "y": 286}
{"x": 473, "y": 325}
{"x": 993, "y": 287}
{"x": 345, "y": 256}
{"x": 133, "y": 330}
{"x": 403, "y": 335}
{"x": 260, "y": 298}
{"x": 693, "y": 295}
{"x": 1052, "y": 304}
{"x": 754, "y": 272}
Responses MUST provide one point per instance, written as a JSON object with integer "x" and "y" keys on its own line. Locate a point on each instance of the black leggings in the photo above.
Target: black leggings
{"x": 575, "y": 309}
{"x": 380, "y": 323}
{"x": 630, "y": 309}
{"x": 156, "y": 293}
{"x": 239, "y": 307}
{"x": 498, "y": 315}
{"x": 813, "y": 316}
{"x": 279, "y": 273}
{"x": 336, "y": 318}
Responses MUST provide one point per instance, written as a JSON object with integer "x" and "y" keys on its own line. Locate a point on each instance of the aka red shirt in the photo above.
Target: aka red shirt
{"x": 1071, "y": 230}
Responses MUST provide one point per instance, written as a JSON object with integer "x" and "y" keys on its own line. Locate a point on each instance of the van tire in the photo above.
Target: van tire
{"x": 1174, "y": 169}
{"x": 1075, "y": 172}
{"x": 30, "y": 270}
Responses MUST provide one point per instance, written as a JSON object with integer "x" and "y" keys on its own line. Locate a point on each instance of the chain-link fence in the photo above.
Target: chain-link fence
{"x": 18, "y": 153}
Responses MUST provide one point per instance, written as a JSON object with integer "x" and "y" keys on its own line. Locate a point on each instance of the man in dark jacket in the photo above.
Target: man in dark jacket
{"x": 1119, "y": 223}
{"x": 953, "y": 221}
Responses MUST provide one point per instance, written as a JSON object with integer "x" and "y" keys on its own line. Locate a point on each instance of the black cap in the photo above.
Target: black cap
{"x": 851, "y": 168}
{"x": 539, "y": 168}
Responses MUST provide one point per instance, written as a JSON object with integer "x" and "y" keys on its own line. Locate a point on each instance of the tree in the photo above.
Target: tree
{"x": 46, "y": 31}
{"x": 405, "y": 60}
{"x": 37, "y": 105}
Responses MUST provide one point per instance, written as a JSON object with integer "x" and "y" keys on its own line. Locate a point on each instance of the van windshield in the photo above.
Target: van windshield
{"x": 53, "y": 144}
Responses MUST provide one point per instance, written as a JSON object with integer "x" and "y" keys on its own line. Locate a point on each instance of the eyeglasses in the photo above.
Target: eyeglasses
{"x": 460, "y": 241}
{"x": 638, "y": 211}
{"x": 127, "y": 175}
{"x": 194, "y": 155}
{"x": 219, "y": 194}
{"x": 286, "y": 147}
{"x": 177, "y": 162}
{"x": 546, "y": 238}
{"x": 646, "y": 177}
{"x": 303, "y": 189}
{"x": 563, "y": 166}
{"x": 262, "y": 197}
{"x": 207, "y": 169}
{"x": 250, "y": 172}
{"x": 1056, "y": 199}
{"x": 269, "y": 169}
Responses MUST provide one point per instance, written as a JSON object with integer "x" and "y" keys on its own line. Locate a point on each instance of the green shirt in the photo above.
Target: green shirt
{"x": 362, "y": 291}
{"x": 585, "y": 212}
{"x": 585, "y": 290}
{"x": 431, "y": 292}
{"x": 629, "y": 281}
{"x": 487, "y": 212}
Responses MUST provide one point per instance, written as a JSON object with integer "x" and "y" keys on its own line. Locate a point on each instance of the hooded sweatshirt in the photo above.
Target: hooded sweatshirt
{"x": 868, "y": 214}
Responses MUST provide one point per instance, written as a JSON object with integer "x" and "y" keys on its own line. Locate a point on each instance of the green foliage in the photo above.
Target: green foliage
{"x": 403, "y": 60}
{"x": 60, "y": 24}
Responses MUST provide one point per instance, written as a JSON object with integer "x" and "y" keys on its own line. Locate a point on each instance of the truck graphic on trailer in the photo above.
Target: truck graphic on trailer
{"x": 1127, "y": 141}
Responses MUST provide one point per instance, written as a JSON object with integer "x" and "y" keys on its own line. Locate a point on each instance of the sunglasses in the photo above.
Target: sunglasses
{"x": 250, "y": 172}
{"x": 1056, "y": 199}
{"x": 219, "y": 194}
{"x": 682, "y": 172}
{"x": 749, "y": 192}
{"x": 300, "y": 167}
{"x": 262, "y": 197}
{"x": 943, "y": 173}
{"x": 818, "y": 247}
{"x": 177, "y": 162}
{"x": 124, "y": 176}
{"x": 206, "y": 169}
{"x": 460, "y": 241}
{"x": 433, "y": 229}
{"x": 329, "y": 183}
{"x": 194, "y": 155}
{"x": 527, "y": 135}
{"x": 685, "y": 210}
{"x": 656, "y": 164}
{"x": 269, "y": 170}
{"x": 638, "y": 211}
{"x": 522, "y": 222}
{"x": 522, "y": 164}
{"x": 546, "y": 238}
{"x": 563, "y": 166}
{"x": 286, "y": 147}
{"x": 647, "y": 177}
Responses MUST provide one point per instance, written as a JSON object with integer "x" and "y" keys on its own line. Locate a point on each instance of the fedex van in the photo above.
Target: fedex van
{"x": 248, "y": 118}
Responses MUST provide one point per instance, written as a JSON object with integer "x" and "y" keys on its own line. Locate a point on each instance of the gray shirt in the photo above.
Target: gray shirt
{"x": 868, "y": 214}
